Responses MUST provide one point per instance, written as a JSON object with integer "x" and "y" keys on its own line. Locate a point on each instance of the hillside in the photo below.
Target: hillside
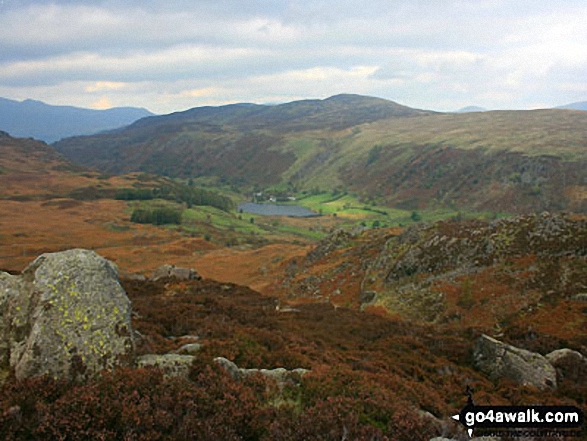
{"x": 512, "y": 161}
{"x": 386, "y": 321}
{"x": 357, "y": 375}
{"x": 237, "y": 143}
{"x": 48, "y": 204}
{"x": 504, "y": 277}
{"x": 48, "y": 123}
{"x": 29, "y": 156}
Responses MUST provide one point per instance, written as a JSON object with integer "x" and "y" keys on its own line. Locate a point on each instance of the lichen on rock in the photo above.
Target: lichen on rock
{"x": 66, "y": 316}
{"x": 172, "y": 365}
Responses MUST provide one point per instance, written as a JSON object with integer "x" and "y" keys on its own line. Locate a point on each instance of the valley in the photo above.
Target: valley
{"x": 422, "y": 232}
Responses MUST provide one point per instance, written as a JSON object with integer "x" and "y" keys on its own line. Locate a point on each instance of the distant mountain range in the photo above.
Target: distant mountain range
{"x": 581, "y": 105}
{"x": 35, "y": 119}
{"x": 512, "y": 161}
{"x": 471, "y": 109}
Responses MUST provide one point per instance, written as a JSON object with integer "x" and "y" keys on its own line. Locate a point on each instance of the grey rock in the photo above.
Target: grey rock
{"x": 189, "y": 337}
{"x": 66, "y": 316}
{"x": 280, "y": 375}
{"x": 190, "y": 349}
{"x": 570, "y": 365}
{"x": 10, "y": 287}
{"x": 172, "y": 271}
{"x": 172, "y": 365}
{"x": 229, "y": 367}
{"x": 499, "y": 360}
{"x": 134, "y": 277}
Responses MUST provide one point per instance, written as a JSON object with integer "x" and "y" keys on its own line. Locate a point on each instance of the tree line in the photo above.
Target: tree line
{"x": 157, "y": 216}
{"x": 180, "y": 193}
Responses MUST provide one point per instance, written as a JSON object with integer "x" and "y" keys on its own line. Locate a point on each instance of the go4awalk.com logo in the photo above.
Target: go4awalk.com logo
{"x": 544, "y": 418}
{"x": 521, "y": 420}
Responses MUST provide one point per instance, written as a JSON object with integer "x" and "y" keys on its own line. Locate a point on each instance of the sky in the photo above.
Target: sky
{"x": 171, "y": 55}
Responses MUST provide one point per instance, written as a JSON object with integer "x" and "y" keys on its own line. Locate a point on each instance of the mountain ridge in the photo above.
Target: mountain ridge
{"x": 513, "y": 161}
{"x": 49, "y": 123}
{"x": 262, "y": 116}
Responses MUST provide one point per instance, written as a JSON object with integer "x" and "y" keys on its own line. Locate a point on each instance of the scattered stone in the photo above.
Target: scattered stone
{"x": 135, "y": 277}
{"x": 190, "y": 349}
{"x": 280, "y": 375}
{"x": 172, "y": 271}
{"x": 172, "y": 365}
{"x": 499, "y": 360}
{"x": 229, "y": 367}
{"x": 66, "y": 316}
{"x": 189, "y": 337}
{"x": 438, "y": 425}
{"x": 286, "y": 309}
{"x": 570, "y": 365}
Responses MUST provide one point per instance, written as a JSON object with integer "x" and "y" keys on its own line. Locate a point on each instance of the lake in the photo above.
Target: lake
{"x": 276, "y": 210}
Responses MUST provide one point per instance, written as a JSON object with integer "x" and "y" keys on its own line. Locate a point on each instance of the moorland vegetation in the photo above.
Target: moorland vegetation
{"x": 432, "y": 231}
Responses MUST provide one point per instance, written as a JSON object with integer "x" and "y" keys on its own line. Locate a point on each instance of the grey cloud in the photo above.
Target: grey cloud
{"x": 411, "y": 50}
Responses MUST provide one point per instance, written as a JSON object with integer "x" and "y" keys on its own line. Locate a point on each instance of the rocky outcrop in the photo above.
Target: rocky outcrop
{"x": 174, "y": 272}
{"x": 570, "y": 365}
{"x": 280, "y": 375}
{"x": 334, "y": 241}
{"x": 499, "y": 360}
{"x": 446, "y": 246}
{"x": 66, "y": 316}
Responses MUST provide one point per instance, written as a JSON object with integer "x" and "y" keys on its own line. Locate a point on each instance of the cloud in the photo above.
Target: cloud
{"x": 104, "y": 85}
{"x": 102, "y": 104}
{"x": 168, "y": 55}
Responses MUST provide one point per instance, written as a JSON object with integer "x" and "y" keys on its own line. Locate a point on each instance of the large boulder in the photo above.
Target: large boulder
{"x": 500, "y": 360}
{"x": 66, "y": 316}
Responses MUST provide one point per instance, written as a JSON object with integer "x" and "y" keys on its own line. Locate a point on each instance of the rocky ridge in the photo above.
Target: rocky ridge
{"x": 439, "y": 272}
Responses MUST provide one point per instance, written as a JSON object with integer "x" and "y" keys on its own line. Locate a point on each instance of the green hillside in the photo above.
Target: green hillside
{"x": 513, "y": 161}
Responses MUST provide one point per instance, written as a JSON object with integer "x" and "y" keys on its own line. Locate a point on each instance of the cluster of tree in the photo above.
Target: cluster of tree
{"x": 158, "y": 216}
{"x": 134, "y": 194}
{"x": 179, "y": 193}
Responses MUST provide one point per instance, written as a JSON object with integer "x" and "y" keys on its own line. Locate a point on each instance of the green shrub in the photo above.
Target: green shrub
{"x": 158, "y": 216}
